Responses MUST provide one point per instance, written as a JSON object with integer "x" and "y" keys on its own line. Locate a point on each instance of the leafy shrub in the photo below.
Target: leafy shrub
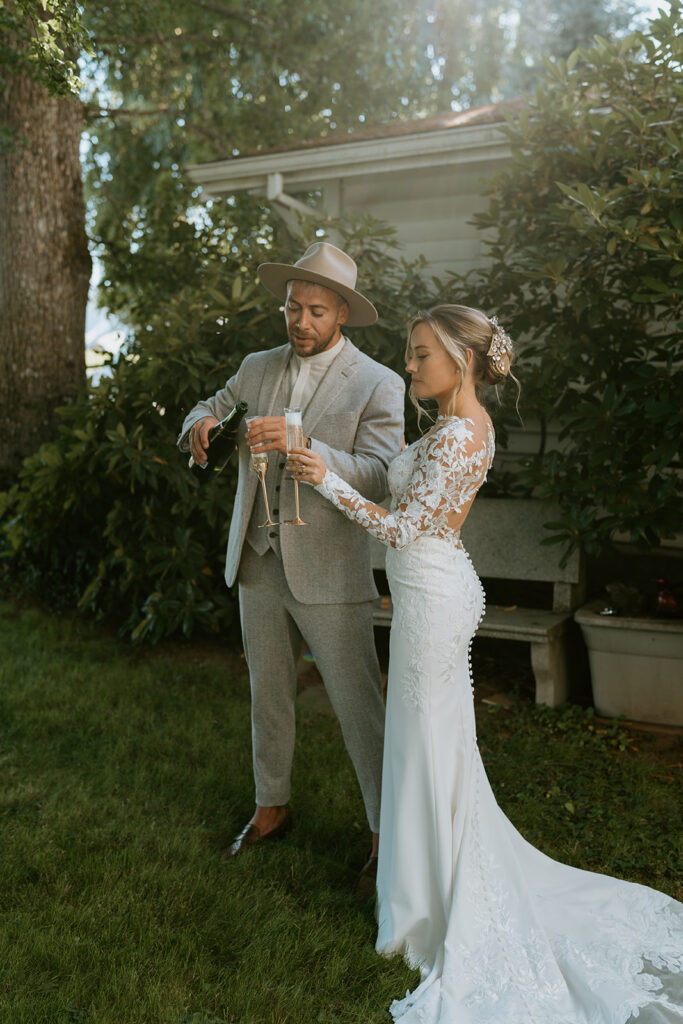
{"x": 107, "y": 515}
{"x": 585, "y": 242}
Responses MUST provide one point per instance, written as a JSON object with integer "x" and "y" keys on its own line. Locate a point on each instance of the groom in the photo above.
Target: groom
{"x": 312, "y": 583}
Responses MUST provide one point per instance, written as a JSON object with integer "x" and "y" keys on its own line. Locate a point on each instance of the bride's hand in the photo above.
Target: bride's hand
{"x": 307, "y": 467}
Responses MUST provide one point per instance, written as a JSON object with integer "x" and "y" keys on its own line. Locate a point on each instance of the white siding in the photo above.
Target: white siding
{"x": 431, "y": 210}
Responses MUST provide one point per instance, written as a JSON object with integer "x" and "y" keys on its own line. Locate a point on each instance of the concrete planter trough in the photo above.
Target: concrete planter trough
{"x": 636, "y": 665}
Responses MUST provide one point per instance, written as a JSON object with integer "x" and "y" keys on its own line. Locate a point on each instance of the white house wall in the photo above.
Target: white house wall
{"x": 430, "y": 210}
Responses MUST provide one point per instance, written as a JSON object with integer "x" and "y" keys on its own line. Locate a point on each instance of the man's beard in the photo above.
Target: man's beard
{"x": 318, "y": 346}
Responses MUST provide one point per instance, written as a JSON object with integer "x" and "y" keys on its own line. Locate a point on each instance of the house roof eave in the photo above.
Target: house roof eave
{"x": 307, "y": 168}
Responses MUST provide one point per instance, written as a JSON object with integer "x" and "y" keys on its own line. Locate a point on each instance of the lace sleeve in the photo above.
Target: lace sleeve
{"x": 451, "y": 467}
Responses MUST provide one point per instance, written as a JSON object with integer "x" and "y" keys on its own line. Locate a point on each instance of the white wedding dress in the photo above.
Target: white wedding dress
{"x": 502, "y": 934}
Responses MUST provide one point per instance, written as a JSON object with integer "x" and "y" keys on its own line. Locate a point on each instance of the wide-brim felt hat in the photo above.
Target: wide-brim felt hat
{"x": 325, "y": 264}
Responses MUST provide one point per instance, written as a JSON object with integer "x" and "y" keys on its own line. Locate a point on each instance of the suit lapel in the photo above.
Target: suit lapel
{"x": 335, "y": 380}
{"x": 271, "y": 381}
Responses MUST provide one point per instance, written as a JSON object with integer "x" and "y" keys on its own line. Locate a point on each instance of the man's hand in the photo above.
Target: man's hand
{"x": 199, "y": 438}
{"x": 267, "y": 434}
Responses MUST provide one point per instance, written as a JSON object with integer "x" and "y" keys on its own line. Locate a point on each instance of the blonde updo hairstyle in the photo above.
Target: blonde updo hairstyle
{"x": 459, "y": 328}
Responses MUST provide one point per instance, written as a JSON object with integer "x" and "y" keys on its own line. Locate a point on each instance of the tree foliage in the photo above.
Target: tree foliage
{"x": 487, "y": 50}
{"x": 586, "y": 266}
{"x": 557, "y": 28}
{"x": 176, "y": 82}
{"x": 42, "y": 39}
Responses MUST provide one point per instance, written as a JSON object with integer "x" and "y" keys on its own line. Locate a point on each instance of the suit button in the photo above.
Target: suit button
{"x": 276, "y": 511}
{"x": 272, "y": 533}
{"x": 277, "y": 488}
{"x": 282, "y": 465}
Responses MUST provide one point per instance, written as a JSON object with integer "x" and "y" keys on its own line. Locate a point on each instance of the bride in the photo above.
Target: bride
{"x": 501, "y": 933}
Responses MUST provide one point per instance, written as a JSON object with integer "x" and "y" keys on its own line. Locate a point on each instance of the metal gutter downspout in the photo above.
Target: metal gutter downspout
{"x": 275, "y": 194}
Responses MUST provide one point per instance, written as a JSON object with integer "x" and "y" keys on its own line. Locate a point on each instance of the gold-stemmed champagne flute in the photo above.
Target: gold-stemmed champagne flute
{"x": 295, "y": 439}
{"x": 259, "y": 463}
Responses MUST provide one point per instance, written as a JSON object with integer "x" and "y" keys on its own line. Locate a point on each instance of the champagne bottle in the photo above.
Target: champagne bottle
{"x": 222, "y": 441}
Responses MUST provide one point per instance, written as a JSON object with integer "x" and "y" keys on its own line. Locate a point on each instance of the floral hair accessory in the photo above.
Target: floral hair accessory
{"x": 500, "y": 347}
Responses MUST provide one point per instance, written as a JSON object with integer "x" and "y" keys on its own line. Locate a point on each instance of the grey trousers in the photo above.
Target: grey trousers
{"x": 340, "y": 638}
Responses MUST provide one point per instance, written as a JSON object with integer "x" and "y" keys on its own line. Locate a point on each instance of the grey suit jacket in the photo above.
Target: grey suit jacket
{"x": 355, "y": 419}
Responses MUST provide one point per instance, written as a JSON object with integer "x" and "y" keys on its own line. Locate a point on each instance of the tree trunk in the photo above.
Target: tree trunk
{"x": 44, "y": 268}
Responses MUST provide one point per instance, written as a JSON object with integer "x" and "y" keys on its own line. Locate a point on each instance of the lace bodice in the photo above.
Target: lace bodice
{"x": 432, "y": 482}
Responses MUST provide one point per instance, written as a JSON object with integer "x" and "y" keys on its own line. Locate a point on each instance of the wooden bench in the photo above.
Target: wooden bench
{"x": 502, "y": 537}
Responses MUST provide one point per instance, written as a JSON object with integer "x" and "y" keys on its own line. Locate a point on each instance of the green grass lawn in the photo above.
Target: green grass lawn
{"x": 123, "y": 774}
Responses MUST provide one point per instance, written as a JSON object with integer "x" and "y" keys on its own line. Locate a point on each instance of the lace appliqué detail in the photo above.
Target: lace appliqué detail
{"x": 435, "y": 478}
{"x": 422, "y": 670}
{"x": 435, "y": 624}
{"x": 520, "y": 973}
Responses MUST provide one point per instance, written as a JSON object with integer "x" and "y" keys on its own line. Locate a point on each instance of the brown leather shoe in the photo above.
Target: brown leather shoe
{"x": 251, "y": 836}
{"x": 367, "y": 879}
